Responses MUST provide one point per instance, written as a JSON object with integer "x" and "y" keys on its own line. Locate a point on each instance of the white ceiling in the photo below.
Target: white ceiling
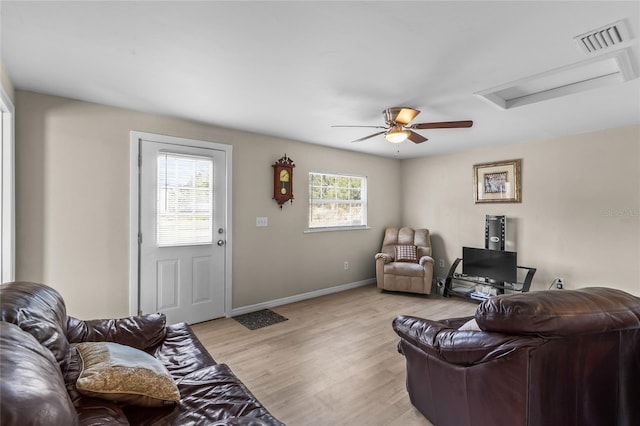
{"x": 294, "y": 69}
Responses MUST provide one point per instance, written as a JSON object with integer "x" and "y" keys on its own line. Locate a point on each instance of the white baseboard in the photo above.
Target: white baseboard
{"x": 299, "y": 297}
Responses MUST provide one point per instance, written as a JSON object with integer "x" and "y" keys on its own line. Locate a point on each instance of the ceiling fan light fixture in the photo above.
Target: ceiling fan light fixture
{"x": 398, "y": 129}
{"x": 397, "y": 134}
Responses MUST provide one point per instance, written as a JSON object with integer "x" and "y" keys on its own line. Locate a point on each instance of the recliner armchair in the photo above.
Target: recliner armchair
{"x": 404, "y": 262}
{"x": 569, "y": 358}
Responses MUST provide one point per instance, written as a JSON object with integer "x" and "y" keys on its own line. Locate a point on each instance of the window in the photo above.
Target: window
{"x": 337, "y": 201}
{"x": 185, "y": 200}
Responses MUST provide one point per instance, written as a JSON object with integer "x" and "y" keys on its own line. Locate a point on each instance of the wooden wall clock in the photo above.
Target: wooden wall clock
{"x": 283, "y": 180}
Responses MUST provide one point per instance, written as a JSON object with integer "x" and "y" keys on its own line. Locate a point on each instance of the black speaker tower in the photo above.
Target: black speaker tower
{"x": 494, "y": 232}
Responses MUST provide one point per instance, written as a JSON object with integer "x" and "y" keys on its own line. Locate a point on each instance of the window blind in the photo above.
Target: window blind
{"x": 184, "y": 200}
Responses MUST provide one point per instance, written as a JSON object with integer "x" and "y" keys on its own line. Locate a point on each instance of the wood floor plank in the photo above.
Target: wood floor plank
{"x": 334, "y": 361}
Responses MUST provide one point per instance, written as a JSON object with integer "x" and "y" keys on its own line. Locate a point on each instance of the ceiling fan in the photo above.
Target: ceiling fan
{"x": 398, "y": 129}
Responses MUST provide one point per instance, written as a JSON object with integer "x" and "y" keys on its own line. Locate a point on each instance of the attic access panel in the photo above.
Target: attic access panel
{"x": 604, "y": 70}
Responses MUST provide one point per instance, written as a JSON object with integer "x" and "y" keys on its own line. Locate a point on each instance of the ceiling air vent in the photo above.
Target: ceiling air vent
{"x": 603, "y": 38}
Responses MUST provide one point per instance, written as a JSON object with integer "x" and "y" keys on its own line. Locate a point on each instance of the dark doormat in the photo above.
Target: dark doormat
{"x": 259, "y": 319}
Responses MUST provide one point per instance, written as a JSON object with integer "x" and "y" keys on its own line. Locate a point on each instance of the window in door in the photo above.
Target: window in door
{"x": 185, "y": 200}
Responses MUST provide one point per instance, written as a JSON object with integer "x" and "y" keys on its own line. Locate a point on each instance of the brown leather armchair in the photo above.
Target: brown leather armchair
{"x": 567, "y": 358}
{"x": 409, "y": 273}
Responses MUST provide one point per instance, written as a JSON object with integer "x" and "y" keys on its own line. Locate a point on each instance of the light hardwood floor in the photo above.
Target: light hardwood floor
{"x": 334, "y": 362}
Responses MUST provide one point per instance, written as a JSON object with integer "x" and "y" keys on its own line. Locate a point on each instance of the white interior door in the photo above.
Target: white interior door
{"x": 182, "y": 244}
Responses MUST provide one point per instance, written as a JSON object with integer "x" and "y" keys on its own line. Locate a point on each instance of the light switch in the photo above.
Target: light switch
{"x": 262, "y": 221}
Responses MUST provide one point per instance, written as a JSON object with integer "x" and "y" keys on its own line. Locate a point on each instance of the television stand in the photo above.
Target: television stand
{"x": 462, "y": 285}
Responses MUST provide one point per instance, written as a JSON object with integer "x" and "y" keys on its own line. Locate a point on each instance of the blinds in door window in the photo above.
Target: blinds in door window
{"x": 185, "y": 200}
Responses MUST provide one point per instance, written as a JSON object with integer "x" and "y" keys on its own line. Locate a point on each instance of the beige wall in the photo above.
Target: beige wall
{"x": 73, "y": 206}
{"x": 579, "y": 217}
{"x": 580, "y": 211}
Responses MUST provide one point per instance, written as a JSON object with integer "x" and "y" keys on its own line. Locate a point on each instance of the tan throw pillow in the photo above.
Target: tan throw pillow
{"x": 406, "y": 253}
{"x": 124, "y": 374}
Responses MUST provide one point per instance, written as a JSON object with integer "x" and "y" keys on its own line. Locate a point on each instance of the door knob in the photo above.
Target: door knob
{"x": 220, "y": 242}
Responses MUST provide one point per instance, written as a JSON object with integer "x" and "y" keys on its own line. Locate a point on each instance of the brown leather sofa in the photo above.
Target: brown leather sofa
{"x": 569, "y": 358}
{"x": 39, "y": 366}
{"x": 409, "y": 276}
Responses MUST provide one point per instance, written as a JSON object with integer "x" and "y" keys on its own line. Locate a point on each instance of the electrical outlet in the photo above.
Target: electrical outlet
{"x": 441, "y": 263}
{"x": 559, "y": 282}
{"x": 346, "y": 265}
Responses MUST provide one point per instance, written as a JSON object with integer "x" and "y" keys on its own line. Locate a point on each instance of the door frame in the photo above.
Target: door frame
{"x": 7, "y": 189}
{"x": 134, "y": 212}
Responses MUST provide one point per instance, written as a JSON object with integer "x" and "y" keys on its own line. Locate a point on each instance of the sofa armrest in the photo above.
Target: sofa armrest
{"x": 384, "y": 257}
{"x": 426, "y": 260}
{"x": 32, "y": 387}
{"x": 459, "y": 347}
{"x": 456, "y": 322}
{"x": 181, "y": 351}
{"x": 140, "y": 332}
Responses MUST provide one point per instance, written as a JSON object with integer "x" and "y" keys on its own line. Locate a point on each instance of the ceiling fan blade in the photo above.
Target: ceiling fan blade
{"x": 400, "y": 115}
{"x": 416, "y": 138}
{"x": 367, "y": 137}
{"x": 443, "y": 125}
{"x": 373, "y": 127}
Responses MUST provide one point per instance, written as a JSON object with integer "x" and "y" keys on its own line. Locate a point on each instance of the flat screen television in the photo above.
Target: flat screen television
{"x": 497, "y": 265}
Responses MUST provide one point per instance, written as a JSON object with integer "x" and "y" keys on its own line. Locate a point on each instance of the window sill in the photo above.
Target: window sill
{"x": 336, "y": 228}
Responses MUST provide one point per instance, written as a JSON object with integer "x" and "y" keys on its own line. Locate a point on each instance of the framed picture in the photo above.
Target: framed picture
{"x": 497, "y": 182}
